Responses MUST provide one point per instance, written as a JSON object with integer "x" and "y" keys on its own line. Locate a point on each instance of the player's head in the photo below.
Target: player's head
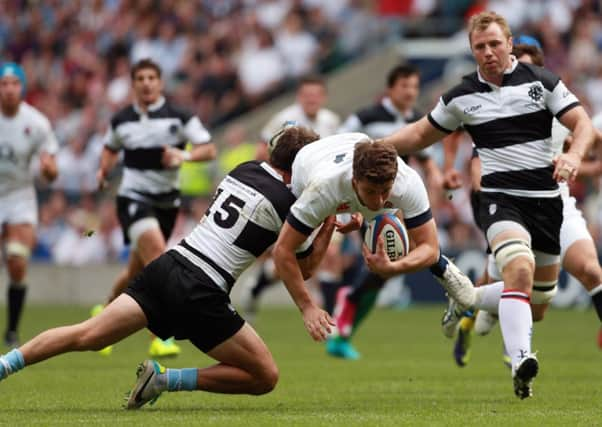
{"x": 374, "y": 172}
{"x": 146, "y": 80}
{"x": 12, "y": 85}
{"x": 528, "y": 49}
{"x": 287, "y": 142}
{"x": 403, "y": 86}
{"x": 491, "y": 43}
{"x": 311, "y": 95}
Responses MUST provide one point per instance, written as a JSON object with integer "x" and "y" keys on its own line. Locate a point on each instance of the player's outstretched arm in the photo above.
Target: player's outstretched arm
{"x": 414, "y": 137}
{"x": 48, "y": 167}
{"x": 567, "y": 164}
{"x": 108, "y": 160}
{"x": 310, "y": 263}
{"x": 317, "y": 321}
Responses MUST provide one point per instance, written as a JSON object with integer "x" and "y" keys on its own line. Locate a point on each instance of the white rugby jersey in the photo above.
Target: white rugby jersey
{"x": 510, "y": 125}
{"x": 142, "y": 137}
{"x": 325, "y": 124}
{"x": 21, "y": 137}
{"x": 321, "y": 181}
{"x": 244, "y": 219}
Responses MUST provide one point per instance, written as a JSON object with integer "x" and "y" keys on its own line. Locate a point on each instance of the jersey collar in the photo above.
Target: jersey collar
{"x": 387, "y": 103}
{"x": 271, "y": 171}
{"x": 509, "y": 70}
{"x": 153, "y": 107}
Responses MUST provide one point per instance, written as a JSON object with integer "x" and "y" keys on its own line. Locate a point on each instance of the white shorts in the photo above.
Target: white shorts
{"x": 573, "y": 228}
{"x": 19, "y": 207}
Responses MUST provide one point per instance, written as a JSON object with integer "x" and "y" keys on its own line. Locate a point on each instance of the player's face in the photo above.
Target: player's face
{"x": 311, "y": 97}
{"x": 404, "y": 92}
{"x": 10, "y": 91}
{"x": 371, "y": 195}
{"x": 147, "y": 86}
{"x": 491, "y": 49}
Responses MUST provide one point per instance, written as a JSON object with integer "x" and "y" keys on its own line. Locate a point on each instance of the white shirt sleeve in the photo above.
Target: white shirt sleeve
{"x": 195, "y": 132}
{"x": 560, "y": 98}
{"x": 442, "y": 117}
{"x": 111, "y": 140}
{"x": 48, "y": 142}
{"x": 313, "y": 206}
{"x": 352, "y": 124}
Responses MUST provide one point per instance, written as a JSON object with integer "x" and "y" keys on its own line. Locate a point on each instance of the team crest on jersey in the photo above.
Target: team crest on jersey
{"x": 492, "y": 209}
{"x": 535, "y": 92}
{"x": 339, "y": 158}
{"x": 343, "y": 207}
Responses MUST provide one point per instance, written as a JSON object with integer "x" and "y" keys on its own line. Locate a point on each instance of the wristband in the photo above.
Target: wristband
{"x": 186, "y": 156}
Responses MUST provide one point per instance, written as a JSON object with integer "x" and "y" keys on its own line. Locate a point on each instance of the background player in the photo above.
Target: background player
{"x": 24, "y": 134}
{"x": 153, "y": 135}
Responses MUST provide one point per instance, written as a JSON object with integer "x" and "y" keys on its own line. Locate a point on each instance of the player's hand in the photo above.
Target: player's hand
{"x": 173, "y": 157}
{"x": 101, "y": 179}
{"x": 355, "y": 223}
{"x": 566, "y": 166}
{"x": 317, "y": 322}
{"x": 379, "y": 262}
{"x": 452, "y": 179}
{"x": 48, "y": 166}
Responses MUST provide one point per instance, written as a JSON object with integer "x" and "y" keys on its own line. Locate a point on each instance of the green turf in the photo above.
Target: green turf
{"x": 406, "y": 377}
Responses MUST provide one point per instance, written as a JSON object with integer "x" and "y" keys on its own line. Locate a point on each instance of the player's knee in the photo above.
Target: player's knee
{"x": 515, "y": 254}
{"x": 589, "y": 273}
{"x": 267, "y": 380}
{"x": 17, "y": 255}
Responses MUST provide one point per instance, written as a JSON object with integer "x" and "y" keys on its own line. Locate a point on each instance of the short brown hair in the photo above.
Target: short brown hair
{"x": 375, "y": 162}
{"x": 534, "y": 52}
{"x": 481, "y": 21}
{"x": 144, "y": 64}
{"x": 290, "y": 140}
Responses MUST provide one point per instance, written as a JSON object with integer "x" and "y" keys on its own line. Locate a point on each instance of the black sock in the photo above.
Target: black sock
{"x": 262, "y": 283}
{"x": 329, "y": 294}
{"x": 16, "y": 298}
{"x": 597, "y": 301}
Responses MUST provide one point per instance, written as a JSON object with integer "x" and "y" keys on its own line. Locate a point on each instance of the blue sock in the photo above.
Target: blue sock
{"x": 181, "y": 379}
{"x": 10, "y": 363}
{"x": 439, "y": 267}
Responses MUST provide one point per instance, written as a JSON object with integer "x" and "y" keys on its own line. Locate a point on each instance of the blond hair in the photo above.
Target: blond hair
{"x": 481, "y": 21}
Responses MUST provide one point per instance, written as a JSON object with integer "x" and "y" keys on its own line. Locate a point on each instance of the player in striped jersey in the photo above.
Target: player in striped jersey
{"x": 185, "y": 292}
{"x": 153, "y": 134}
{"x": 578, "y": 252}
{"x": 24, "y": 134}
{"x": 507, "y": 107}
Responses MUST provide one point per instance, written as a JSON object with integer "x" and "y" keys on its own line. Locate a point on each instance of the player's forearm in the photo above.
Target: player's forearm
{"x": 450, "y": 150}
{"x": 583, "y": 137}
{"x": 419, "y": 258}
{"x": 108, "y": 160}
{"x": 203, "y": 152}
{"x": 590, "y": 168}
{"x": 320, "y": 244}
{"x": 289, "y": 272}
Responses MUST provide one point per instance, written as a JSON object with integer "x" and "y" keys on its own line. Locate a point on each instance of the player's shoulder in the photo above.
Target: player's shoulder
{"x": 374, "y": 113}
{"x": 329, "y": 115}
{"x": 171, "y": 111}
{"x": 125, "y": 115}
{"x": 32, "y": 113}
{"x": 526, "y": 73}
{"x": 469, "y": 84}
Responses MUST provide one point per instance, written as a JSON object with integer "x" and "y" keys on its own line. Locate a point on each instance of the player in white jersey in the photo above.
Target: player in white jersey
{"x": 24, "y": 134}
{"x": 507, "y": 107}
{"x": 578, "y": 253}
{"x": 308, "y": 110}
{"x": 348, "y": 173}
{"x": 152, "y": 133}
{"x": 185, "y": 292}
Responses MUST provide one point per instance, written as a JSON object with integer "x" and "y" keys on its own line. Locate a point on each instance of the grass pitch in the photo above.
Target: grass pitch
{"x": 406, "y": 377}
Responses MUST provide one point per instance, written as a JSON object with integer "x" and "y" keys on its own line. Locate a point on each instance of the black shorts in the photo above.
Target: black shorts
{"x": 129, "y": 211}
{"x": 541, "y": 217}
{"x": 180, "y": 300}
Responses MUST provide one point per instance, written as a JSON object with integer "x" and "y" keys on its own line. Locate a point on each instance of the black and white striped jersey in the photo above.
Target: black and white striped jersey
{"x": 142, "y": 137}
{"x": 380, "y": 120}
{"x": 244, "y": 219}
{"x": 511, "y": 126}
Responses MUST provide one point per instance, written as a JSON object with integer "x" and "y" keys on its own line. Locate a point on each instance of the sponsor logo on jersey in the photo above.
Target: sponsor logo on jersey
{"x": 472, "y": 109}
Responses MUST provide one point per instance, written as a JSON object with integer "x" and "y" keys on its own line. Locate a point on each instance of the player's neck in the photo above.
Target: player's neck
{"x": 9, "y": 110}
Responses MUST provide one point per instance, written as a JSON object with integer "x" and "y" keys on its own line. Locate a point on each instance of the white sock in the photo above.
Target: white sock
{"x": 516, "y": 324}
{"x": 594, "y": 291}
{"x": 488, "y": 297}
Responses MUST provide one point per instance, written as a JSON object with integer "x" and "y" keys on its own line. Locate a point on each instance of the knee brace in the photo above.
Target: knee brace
{"x": 543, "y": 292}
{"x": 17, "y": 249}
{"x": 507, "y": 250}
{"x": 139, "y": 227}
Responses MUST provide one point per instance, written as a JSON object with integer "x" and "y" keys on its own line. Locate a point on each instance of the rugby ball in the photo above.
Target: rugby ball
{"x": 394, "y": 235}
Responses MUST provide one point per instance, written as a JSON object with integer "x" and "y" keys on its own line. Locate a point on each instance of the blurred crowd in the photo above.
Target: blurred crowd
{"x": 223, "y": 58}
